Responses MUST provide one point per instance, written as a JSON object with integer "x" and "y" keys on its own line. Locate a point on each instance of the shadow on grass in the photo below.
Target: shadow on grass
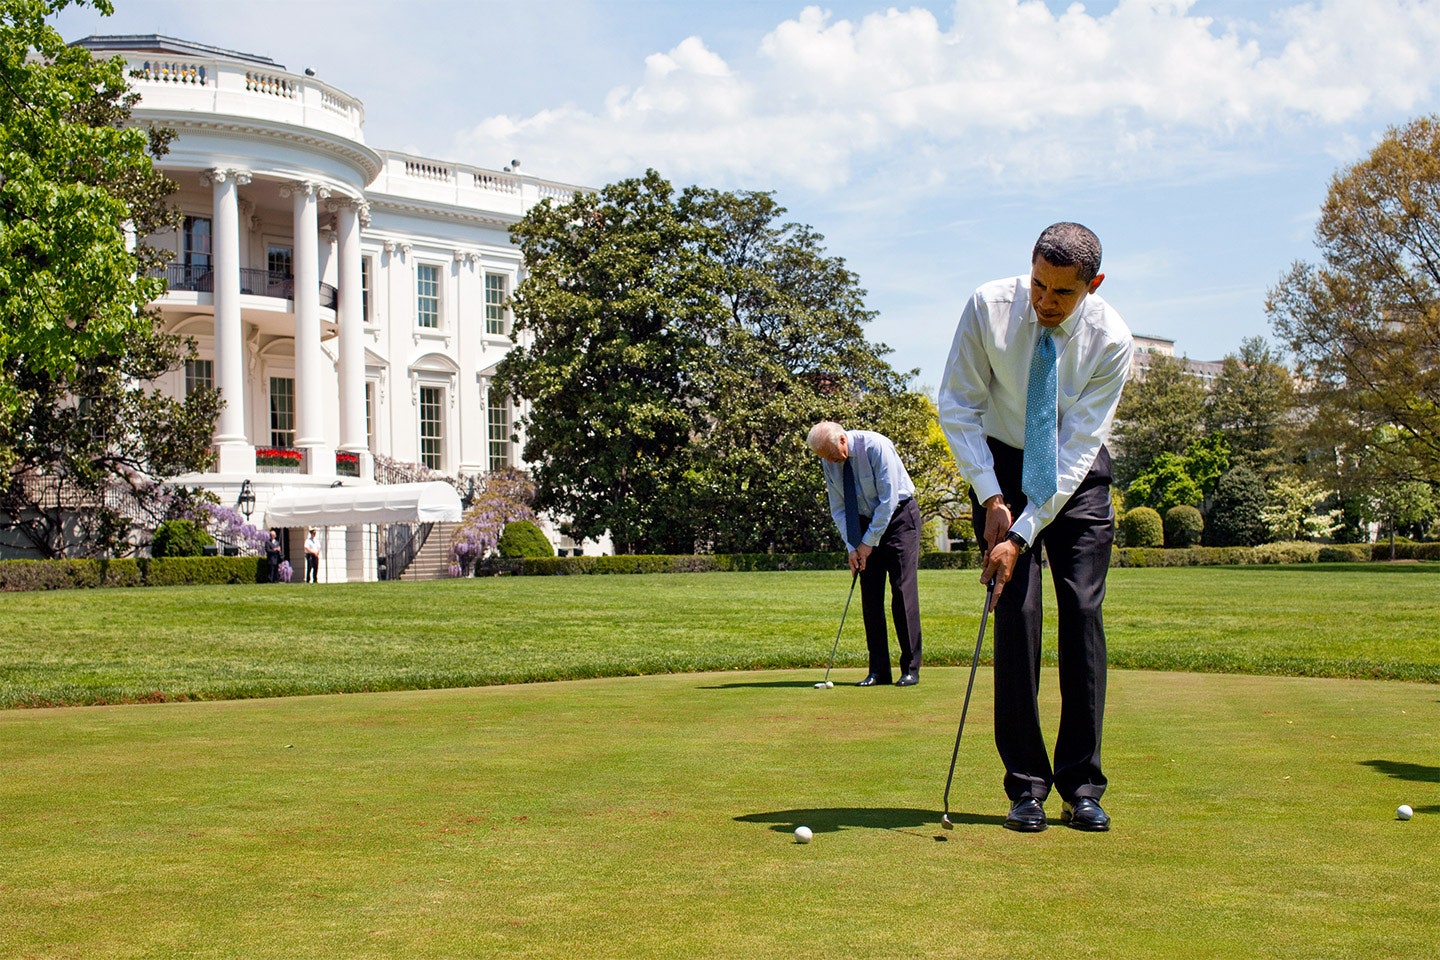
{"x": 760, "y": 684}
{"x": 1402, "y": 770}
{"x": 835, "y": 819}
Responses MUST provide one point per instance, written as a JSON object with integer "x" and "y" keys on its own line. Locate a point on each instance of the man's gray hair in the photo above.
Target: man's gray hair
{"x": 1070, "y": 245}
{"x": 823, "y": 434}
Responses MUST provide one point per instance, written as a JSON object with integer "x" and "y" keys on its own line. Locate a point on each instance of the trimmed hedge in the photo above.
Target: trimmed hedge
{"x": 1404, "y": 551}
{"x": 16, "y": 575}
{"x": 660, "y": 563}
{"x": 181, "y": 571}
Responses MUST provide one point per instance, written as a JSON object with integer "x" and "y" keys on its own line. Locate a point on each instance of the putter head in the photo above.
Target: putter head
{"x": 945, "y": 821}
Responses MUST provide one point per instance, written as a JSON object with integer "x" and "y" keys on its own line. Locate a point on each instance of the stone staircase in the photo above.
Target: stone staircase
{"x": 433, "y": 560}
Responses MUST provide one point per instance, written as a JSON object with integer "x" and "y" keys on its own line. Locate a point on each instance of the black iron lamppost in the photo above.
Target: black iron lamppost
{"x": 247, "y": 500}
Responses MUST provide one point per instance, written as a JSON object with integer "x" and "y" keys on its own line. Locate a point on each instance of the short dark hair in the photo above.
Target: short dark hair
{"x": 1070, "y": 245}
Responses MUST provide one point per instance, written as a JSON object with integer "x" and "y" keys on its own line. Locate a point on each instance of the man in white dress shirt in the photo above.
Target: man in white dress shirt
{"x": 1045, "y": 344}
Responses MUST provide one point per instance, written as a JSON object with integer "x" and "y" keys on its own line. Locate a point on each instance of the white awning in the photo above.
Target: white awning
{"x": 430, "y": 502}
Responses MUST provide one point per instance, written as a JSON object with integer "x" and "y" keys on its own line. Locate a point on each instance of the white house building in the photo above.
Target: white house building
{"x": 346, "y": 301}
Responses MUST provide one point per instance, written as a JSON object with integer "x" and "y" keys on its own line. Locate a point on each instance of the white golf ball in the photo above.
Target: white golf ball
{"x": 803, "y": 835}
{"x": 1403, "y": 812}
{"x": 829, "y": 684}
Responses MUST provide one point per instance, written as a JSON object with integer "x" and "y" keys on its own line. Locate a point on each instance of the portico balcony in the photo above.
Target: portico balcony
{"x": 253, "y": 282}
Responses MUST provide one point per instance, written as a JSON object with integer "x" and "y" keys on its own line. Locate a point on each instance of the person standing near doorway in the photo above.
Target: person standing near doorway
{"x": 312, "y": 558}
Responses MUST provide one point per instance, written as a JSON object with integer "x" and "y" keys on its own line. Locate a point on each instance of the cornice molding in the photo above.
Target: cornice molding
{"x": 437, "y": 211}
{"x": 357, "y": 155}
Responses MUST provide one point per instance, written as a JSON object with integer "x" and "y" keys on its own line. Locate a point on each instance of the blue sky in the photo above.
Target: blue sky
{"x": 929, "y": 143}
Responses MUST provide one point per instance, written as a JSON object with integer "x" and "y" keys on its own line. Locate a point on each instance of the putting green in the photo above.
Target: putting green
{"x": 653, "y": 817}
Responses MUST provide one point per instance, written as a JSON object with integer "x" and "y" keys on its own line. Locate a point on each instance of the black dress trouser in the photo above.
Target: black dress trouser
{"x": 897, "y": 557}
{"x": 1077, "y": 546}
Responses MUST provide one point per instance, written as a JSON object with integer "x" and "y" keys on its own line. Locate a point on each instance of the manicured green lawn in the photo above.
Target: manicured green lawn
{"x": 651, "y": 817}
{"x": 75, "y": 647}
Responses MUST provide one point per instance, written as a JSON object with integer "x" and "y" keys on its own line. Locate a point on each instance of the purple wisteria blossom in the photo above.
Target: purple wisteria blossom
{"x": 504, "y": 496}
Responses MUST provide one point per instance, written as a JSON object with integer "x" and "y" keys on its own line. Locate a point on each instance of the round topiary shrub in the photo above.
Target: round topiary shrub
{"x": 523, "y": 539}
{"x": 179, "y": 538}
{"x": 1183, "y": 526}
{"x": 1141, "y": 527}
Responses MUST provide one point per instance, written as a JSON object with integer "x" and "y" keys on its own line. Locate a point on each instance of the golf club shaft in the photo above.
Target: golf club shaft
{"x": 974, "y": 663}
{"x": 836, "y": 645}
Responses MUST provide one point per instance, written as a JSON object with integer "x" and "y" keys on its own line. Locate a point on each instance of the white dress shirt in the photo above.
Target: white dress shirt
{"x": 983, "y": 390}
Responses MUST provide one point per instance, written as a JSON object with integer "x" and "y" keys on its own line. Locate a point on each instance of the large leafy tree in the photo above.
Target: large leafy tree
{"x": 81, "y": 433}
{"x": 611, "y": 326}
{"x": 1161, "y": 413}
{"x": 1364, "y": 324}
{"x": 674, "y": 348}
{"x": 789, "y": 348}
{"x": 1252, "y": 403}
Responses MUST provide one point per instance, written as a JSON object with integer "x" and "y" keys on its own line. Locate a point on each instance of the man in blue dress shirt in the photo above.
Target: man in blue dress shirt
{"x": 873, "y": 503}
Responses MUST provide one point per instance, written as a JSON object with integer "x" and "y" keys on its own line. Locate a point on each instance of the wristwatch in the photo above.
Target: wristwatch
{"x": 1018, "y": 540}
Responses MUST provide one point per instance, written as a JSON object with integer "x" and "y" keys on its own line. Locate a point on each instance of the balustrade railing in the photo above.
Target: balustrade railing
{"x": 262, "y": 283}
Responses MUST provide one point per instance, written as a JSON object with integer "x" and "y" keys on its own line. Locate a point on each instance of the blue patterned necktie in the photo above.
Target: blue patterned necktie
{"x": 852, "y": 505}
{"x": 1038, "y": 480}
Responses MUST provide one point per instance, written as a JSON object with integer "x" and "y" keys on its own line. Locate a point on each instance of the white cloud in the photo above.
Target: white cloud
{"x": 1009, "y": 91}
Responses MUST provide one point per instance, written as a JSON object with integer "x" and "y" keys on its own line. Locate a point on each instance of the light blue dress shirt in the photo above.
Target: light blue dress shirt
{"x": 881, "y": 482}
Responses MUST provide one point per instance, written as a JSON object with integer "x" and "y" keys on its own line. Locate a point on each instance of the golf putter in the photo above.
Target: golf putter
{"x": 836, "y": 645}
{"x": 974, "y": 662}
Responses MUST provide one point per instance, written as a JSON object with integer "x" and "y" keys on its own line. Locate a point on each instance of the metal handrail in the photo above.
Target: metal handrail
{"x": 403, "y": 542}
{"x": 264, "y": 283}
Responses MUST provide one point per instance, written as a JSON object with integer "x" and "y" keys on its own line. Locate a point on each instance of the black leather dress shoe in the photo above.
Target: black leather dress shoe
{"x": 908, "y": 680}
{"x": 1085, "y": 814}
{"x": 874, "y": 680}
{"x": 1026, "y": 815}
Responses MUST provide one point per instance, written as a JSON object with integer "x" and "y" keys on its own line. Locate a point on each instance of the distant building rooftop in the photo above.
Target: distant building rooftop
{"x": 158, "y": 44}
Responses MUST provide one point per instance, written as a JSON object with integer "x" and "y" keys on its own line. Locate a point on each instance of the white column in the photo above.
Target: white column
{"x": 234, "y": 452}
{"x": 352, "y": 333}
{"x": 309, "y": 400}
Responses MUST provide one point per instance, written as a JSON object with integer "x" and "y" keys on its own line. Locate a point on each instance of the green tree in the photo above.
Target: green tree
{"x": 789, "y": 349}
{"x": 82, "y": 432}
{"x": 611, "y": 325}
{"x": 1165, "y": 483}
{"x": 1236, "y": 516}
{"x": 1364, "y": 324}
{"x": 1188, "y": 479}
{"x": 1161, "y": 413}
{"x": 1251, "y": 403}
{"x": 675, "y": 349}
{"x": 1400, "y": 505}
{"x": 1293, "y": 510}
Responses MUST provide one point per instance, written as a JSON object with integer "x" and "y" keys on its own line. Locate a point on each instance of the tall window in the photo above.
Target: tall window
{"x": 279, "y": 263}
{"x": 370, "y": 415}
{"x": 282, "y": 411}
{"x": 199, "y": 374}
{"x": 499, "y": 421}
{"x": 431, "y": 436}
{"x": 427, "y": 296}
{"x": 366, "y": 279}
{"x": 495, "y": 303}
{"x": 195, "y": 257}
